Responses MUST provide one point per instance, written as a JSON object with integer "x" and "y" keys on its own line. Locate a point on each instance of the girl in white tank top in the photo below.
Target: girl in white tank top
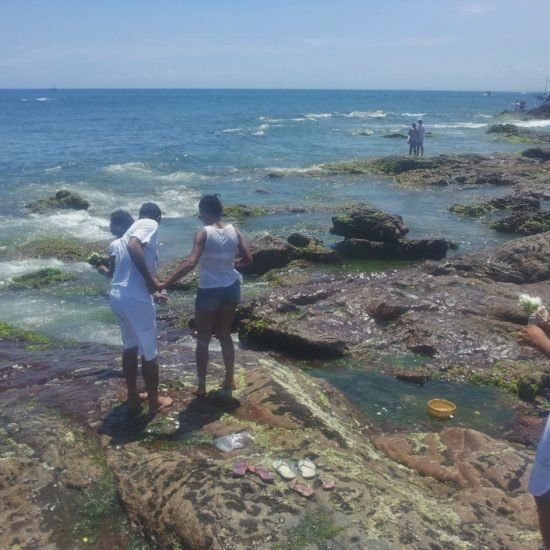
{"x": 218, "y": 248}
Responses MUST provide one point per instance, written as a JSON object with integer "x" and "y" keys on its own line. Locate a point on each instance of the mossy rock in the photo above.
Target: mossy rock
{"x": 63, "y": 199}
{"x": 41, "y": 278}
{"x": 537, "y": 153}
{"x": 34, "y": 340}
{"x": 504, "y": 128}
{"x": 523, "y": 224}
{"x": 473, "y": 210}
{"x": 241, "y": 212}
{"x": 399, "y": 165}
{"x": 62, "y": 249}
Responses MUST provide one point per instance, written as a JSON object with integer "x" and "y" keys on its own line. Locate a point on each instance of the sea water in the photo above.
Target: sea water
{"x": 120, "y": 148}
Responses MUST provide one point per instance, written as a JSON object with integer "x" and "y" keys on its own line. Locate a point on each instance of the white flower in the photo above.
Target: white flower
{"x": 529, "y": 304}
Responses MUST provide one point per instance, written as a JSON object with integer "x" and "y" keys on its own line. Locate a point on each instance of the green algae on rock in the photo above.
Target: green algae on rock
{"x": 33, "y": 340}
{"x": 41, "y": 278}
{"x": 241, "y": 212}
{"x": 67, "y": 249}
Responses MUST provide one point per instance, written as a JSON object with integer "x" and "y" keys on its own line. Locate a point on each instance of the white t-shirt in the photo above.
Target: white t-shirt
{"x": 114, "y": 247}
{"x": 421, "y": 132}
{"x": 539, "y": 480}
{"x": 126, "y": 273}
{"x": 216, "y": 261}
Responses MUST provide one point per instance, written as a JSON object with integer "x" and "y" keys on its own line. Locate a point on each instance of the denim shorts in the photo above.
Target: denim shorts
{"x": 212, "y": 298}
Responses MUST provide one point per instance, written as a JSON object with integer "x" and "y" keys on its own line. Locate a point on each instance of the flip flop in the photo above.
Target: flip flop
{"x": 283, "y": 468}
{"x": 239, "y": 468}
{"x": 327, "y": 483}
{"x": 264, "y": 473}
{"x": 307, "y": 468}
{"x": 301, "y": 488}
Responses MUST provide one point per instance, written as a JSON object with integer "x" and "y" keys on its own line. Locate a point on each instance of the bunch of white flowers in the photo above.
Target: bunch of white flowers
{"x": 529, "y": 304}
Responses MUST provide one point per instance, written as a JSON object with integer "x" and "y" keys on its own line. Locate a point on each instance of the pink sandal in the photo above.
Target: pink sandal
{"x": 264, "y": 473}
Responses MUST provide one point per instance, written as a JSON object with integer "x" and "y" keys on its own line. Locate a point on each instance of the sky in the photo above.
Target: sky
{"x": 494, "y": 45}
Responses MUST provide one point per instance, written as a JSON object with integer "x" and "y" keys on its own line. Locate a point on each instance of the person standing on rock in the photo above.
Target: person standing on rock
{"x": 218, "y": 249}
{"x": 133, "y": 291}
{"x": 412, "y": 140}
{"x": 421, "y": 136}
{"x": 539, "y": 480}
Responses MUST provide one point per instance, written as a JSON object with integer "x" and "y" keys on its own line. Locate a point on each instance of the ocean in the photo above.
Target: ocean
{"x": 120, "y": 148}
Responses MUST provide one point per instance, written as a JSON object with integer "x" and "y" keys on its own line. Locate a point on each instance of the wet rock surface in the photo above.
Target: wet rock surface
{"x": 75, "y": 470}
{"x": 63, "y": 200}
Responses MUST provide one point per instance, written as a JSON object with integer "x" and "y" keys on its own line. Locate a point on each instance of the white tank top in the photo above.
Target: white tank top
{"x": 216, "y": 261}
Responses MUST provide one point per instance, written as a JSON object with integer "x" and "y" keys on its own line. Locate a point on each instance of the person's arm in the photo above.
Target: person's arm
{"x": 135, "y": 249}
{"x": 190, "y": 261}
{"x": 245, "y": 256}
{"x": 536, "y": 337}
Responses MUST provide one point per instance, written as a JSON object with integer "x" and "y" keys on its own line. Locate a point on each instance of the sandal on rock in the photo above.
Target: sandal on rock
{"x": 307, "y": 468}
{"x": 327, "y": 483}
{"x": 301, "y": 488}
{"x": 239, "y": 468}
{"x": 284, "y": 469}
{"x": 264, "y": 473}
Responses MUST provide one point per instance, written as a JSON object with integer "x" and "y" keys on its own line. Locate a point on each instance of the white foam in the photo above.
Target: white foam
{"x": 366, "y": 114}
{"x": 135, "y": 167}
{"x": 77, "y": 223}
{"x": 272, "y": 120}
{"x": 177, "y": 203}
{"x": 413, "y": 114}
{"x": 290, "y": 171}
{"x": 52, "y": 170}
{"x": 313, "y": 116}
{"x": 472, "y": 125}
{"x": 532, "y": 123}
{"x": 181, "y": 176}
{"x": 234, "y": 131}
{"x": 481, "y": 115}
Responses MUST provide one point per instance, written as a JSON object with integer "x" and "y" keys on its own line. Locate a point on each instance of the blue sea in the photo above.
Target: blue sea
{"x": 120, "y": 148}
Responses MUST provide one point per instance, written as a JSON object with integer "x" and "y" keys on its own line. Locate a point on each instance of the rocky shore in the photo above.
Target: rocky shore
{"x": 77, "y": 472}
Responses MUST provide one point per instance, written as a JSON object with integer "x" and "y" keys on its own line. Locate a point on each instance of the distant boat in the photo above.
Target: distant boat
{"x": 488, "y": 93}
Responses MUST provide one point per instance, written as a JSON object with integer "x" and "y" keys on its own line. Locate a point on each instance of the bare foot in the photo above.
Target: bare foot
{"x": 199, "y": 391}
{"x": 229, "y": 385}
{"x": 163, "y": 402}
{"x": 136, "y": 404}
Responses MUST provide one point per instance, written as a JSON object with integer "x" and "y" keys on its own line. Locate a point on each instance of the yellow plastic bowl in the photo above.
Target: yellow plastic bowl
{"x": 441, "y": 408}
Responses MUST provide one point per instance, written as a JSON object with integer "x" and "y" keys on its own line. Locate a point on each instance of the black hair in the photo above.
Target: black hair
{"x": 120, "y": 222}
{"x": 150, "y": 210}
{"x": 211, "y": 205}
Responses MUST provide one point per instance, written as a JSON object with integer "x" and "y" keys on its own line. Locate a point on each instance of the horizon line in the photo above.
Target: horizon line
{"x": 198, "y": 88}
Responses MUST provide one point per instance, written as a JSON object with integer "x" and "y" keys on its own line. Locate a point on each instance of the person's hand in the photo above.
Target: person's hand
{"x": 160, "y": 297}
{"x": 533, "y": 336}
{"x": 102, "y": 269}
{"x": 153, "y": 285}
